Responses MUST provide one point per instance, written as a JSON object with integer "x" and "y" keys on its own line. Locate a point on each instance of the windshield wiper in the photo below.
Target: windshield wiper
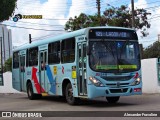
{"x": 109, "y": 49}
{"x": 111, "y": 52}
{"x": 123, "y": 48}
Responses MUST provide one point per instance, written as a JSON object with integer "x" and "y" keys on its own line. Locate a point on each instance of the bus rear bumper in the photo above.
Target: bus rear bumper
{"x": 94, "y": 91}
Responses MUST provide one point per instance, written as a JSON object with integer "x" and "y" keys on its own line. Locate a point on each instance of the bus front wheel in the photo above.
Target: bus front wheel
{"x": 69, "y": 95}
{"x": 112, "y": 99}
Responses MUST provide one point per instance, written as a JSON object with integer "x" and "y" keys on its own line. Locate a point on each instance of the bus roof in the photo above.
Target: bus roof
{"x": 63, "y": 36}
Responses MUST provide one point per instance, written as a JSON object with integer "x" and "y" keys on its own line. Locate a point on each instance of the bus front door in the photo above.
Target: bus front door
{"x": 22, "y": 72}
{"x": 81, "y": 70}
{"x": 42, "y": 69}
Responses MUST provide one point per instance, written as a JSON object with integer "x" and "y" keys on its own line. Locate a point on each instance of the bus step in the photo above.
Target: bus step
{"x": 44, "y": 94}
{"x": 83, "y": 96}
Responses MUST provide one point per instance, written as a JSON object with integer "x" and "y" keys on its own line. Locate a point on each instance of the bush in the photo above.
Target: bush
{"x": 8, "y": 65}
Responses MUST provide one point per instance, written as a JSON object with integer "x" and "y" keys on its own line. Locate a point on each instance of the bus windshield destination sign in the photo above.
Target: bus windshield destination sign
{"x": 112, "y": 34}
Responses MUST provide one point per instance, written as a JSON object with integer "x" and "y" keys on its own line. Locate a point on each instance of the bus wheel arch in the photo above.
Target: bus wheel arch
{"x": 64, "y": 85}
{"x": 28, "y": 81}
{"x": 30, "y": 93}
{"x": 67, "y": 90}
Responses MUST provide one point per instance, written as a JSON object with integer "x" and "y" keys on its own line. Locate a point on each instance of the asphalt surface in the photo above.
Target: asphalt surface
{"x": 21, "y": 103}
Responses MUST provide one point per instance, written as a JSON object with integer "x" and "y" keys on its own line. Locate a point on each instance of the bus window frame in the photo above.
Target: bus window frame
{"x": 30, "y": 65}
{"x": 17, "y": 67}
{"x": 57, "y": 52}
{"x": 62, "y": 49}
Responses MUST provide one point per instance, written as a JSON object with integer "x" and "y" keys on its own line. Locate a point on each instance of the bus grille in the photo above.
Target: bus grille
{"x": 115, "y": 84}
{"x": 117, "y": 78}
{"x": 124, "y": 90}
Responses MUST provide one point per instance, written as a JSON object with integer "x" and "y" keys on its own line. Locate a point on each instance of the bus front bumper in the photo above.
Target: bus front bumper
{"x": 94, "y": 91}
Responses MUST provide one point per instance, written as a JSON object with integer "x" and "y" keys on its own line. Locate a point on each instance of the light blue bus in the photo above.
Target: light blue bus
{"x": 87, "y": 63}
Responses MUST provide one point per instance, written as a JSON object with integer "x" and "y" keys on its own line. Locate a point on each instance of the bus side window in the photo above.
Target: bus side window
{"x": 15, "y": 60}
{"x": 33, "y": 56}
{"x": 68, "y": 50}
{"x": 54, "y": 53}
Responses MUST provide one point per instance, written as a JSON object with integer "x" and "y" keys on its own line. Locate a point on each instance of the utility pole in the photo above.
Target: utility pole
{"x": 158, "y": 37}
{"x": 133, "y": 20}
{"x": 30, "y": 38}
{"x": 99, "y": 11}
{"x": 98, "y": 7}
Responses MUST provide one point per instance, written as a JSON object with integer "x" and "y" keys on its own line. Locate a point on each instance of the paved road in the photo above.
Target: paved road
{"x": 20, "y": 102}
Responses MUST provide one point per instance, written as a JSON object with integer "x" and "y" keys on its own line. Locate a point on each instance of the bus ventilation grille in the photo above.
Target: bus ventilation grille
{"x": 119, "y": 90}
{"x": 117, "y": 78}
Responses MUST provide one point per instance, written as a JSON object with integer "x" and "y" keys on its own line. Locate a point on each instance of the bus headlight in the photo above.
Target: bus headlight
{"x": 136, "y": 81}
{"x": 96, "y": 82}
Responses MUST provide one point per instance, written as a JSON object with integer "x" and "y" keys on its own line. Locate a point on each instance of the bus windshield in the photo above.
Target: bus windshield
{"x": 114, "y": 56}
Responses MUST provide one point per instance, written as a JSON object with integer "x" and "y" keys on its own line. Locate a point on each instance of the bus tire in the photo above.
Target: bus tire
{"x": 30, "y": 93}
{"x": 113, "y": 99}
{"x": 38, "y": 96}
{"x": 69, "y": 95}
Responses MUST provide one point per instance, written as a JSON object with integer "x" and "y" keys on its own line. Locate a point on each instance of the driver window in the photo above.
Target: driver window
{"x": 130, "y": 51}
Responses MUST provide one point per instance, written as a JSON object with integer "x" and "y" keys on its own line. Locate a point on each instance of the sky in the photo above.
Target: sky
{"x": 56, "y": 12}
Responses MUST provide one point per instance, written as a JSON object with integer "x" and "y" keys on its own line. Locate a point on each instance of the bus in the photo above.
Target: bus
{"x": 84, "y": 64}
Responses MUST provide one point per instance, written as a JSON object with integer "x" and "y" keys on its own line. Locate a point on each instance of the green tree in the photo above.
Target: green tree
{"x": 8, "y": 65}
{"x": 7, "y": 8}
{"x": 152, "y": 51}
{"x": 82, "y": 21}
{"x": 120, "y": 16}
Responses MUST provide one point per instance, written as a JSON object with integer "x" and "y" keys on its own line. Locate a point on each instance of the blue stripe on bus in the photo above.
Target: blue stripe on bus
{"x": 51, "y": 79}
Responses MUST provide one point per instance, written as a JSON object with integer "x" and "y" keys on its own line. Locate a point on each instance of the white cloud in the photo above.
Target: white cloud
{"x": 83, "y": 6}
{"x": 63, "y": 9}
{"x": 140, "y": 4}
{"x": 51, "y": 9}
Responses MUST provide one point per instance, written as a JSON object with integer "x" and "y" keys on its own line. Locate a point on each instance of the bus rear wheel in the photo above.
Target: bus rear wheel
{"x": 30, "y": 93}
{"x": 113, "y": 99}
{"x": 69, "y": 95}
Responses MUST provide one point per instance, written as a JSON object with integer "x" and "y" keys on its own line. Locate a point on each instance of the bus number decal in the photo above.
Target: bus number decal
{"x": 98, "y": 74}
{"x": 104, "y": 74}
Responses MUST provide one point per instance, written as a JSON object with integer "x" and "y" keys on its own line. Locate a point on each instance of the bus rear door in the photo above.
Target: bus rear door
{"x": 16, "y": 82}
{"x": 22, "y": 69}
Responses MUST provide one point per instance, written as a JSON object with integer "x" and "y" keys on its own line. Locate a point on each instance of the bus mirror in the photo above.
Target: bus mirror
{"x": 88, "y": 51}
